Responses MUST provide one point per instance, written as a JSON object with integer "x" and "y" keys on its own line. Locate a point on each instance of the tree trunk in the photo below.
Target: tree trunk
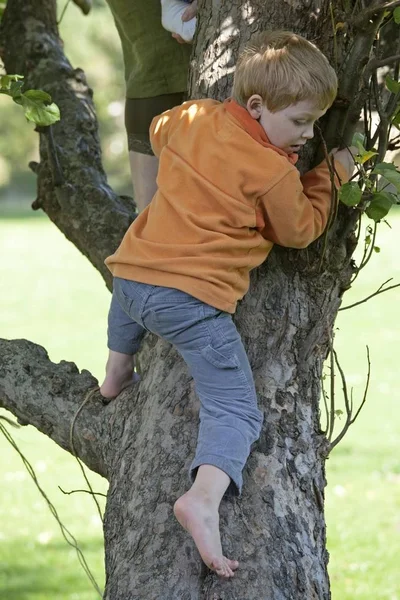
{"x": 145, "y": 441}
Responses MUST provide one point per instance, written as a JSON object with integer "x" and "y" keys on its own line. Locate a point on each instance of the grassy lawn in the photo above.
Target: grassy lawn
{"x": 52, "y": 296}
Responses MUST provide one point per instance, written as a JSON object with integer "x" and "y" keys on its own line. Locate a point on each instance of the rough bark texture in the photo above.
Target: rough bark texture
{"x": 144, "y": 442}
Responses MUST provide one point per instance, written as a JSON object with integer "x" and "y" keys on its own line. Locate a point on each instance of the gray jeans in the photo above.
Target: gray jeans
{"x": 211, "y": 346}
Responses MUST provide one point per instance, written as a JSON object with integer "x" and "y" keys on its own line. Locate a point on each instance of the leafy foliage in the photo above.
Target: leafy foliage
{"x": 37, "y": 104}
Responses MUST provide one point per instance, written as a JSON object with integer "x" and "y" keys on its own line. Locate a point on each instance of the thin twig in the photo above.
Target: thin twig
{"x": 368, "y": 13}
{"x": 374, "y": 63}
{"x": 67, "y": 535}
{"x": 366, "y": 387}
{"x": 378, "y": 291}
{"x": 332, "y": 408}
{"x": 349, "y": 405}
{"x": 372, "y": 246}
{"x": 334, "y": 33}
{"x": 88, "y": 397}
{"x": 325, "y": 398}
{"x": 334, "y": 197}
{"x": 63, "y": 12}
{"x": 365, "y": 251}
{"x": 9, "y": 421}
{"x": 81, "y": 491}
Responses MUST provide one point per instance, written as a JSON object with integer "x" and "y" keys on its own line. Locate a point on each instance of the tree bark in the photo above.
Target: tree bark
{"x": 143, "y": 442}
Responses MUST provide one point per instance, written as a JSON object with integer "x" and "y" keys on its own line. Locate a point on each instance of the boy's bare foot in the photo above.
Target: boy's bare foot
{"x": 199, "y": 516}
{"x": 119, "y": 374}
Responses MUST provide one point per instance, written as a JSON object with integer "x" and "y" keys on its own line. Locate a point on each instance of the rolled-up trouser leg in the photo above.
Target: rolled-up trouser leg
{"x": 211, "y": 346}
{"x": 123, "y": 333}
{"x": 229, "y": 418}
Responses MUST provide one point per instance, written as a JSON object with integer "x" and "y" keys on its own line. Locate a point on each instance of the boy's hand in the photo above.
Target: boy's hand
{"x": 346, "y": 158}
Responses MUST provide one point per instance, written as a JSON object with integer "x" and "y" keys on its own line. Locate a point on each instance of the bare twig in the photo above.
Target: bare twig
{"x": 9, "y": 421}
{"x": 368, "y": 13}
{"x": 325, "y": 398}
{"x": 81, "y": 491}
{"x": 332, "y": 390}
{"x": 368, "y": 253}
{"x": 349, "y": 401}
{"x": 380, "y": 290}
{"x": 366, "y": 388}
{"x": 67, "y": 535}
{"x": 88, "y": 397}
{"x": 334, "y": 195}
{"x": 384, "y": 62}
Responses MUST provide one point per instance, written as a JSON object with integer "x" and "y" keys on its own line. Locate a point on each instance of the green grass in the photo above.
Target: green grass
{"x": 52, "y": 296}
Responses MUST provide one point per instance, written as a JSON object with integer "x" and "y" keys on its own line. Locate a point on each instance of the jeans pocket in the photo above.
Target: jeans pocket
{"x": 219, "y": 360}
{"x": 123, "y": 298}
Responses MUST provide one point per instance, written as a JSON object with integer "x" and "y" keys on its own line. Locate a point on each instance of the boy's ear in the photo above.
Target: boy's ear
{"x": 254, "y": 106}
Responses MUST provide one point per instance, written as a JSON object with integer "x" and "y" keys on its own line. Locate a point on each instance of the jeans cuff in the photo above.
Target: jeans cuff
{"x": 235, "y": 486}
{"x": 123, "y": 346}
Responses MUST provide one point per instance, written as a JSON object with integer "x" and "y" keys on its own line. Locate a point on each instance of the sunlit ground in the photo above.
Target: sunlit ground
{"x": 52, "y": 296}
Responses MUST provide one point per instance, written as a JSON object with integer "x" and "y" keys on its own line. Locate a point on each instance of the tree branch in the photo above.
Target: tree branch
{"x": 48, "y": 396}
{"x": 380, "y": 290}
{"x": 375, "y": 63}
{"x": 368, "y": 13}
{"x": 72, "y": 185}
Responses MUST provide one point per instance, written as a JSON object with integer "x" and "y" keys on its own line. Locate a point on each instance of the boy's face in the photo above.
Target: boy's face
{"x": 288, "y": 128}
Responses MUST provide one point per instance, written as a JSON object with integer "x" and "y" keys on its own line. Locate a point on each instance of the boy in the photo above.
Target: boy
{"x": 227, "y": 191}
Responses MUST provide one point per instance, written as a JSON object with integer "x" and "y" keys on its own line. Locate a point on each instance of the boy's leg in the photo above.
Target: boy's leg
{"x": 124, "y": 338}
{"x": 198, "y": 512}
{"x": 229, "y": 418}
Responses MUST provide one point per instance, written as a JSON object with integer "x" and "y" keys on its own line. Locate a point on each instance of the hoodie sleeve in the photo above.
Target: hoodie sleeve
{"x": 294, "y": 212}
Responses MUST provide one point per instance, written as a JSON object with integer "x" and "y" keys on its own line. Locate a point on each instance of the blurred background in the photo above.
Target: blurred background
{"x": 52, "y": 296}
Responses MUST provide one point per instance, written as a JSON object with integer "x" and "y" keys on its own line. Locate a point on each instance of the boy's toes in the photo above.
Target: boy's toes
{"x": 232, "y": 564}
{"x": 222, "y": 568}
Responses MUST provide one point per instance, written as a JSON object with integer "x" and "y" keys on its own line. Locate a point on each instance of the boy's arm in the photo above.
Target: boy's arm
{"x": 160, "y": 129}
{"x": 295, "y": 211}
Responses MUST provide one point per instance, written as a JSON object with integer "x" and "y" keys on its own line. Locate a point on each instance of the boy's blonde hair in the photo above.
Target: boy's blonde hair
{"x": 283, "y": 68}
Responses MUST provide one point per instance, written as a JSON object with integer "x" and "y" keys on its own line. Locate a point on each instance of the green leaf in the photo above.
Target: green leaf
{"x": 377, "y": 249}
{"x": 359, "y": 141}
{"x": 364, "y": 156}
{"x": 35, "y": 109}
{"x": 338, "y": 413}
{"x": 384, "y": 166}
{"x": 38, "y": 95}
{"x": 350, "y": 194}
{"x": 389, "y": 172}
{"x": 379, "y": 206}
{"x": 358, "y": 138}
{"x": 6, "y": 80}
{"x": 392, "y": 85}
{"x": 396, "y": 15}
{"x": 396, "y": 120}
{"x": 16, "y": 89}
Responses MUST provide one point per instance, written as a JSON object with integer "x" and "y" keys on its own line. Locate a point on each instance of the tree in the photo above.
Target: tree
{"x": 277, "y": 528}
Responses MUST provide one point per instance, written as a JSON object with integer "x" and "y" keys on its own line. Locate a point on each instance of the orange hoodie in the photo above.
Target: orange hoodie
{"x": 225, "y": 196}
